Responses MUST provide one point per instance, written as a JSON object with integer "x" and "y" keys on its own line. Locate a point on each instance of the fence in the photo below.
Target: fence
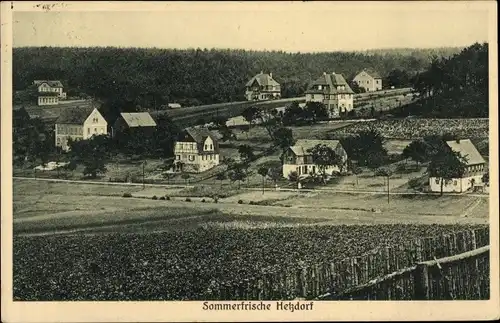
{"x": 464, "y": 276}
{"x": 338, "y": 276}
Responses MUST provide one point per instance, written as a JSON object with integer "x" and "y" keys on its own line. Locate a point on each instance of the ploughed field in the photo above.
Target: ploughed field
{"x": 419, "y": 128}
{"x": 185, "y": 263}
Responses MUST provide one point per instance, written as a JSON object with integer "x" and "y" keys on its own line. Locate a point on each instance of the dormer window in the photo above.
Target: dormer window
{"x": 211, "y": 147}
{"x": 206, "y": 147}
{"x": 320, "y": 87}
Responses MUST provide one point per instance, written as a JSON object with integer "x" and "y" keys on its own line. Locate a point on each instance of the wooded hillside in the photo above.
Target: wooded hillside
{"x": 149, "y": 77}
{"x": 454, "y": 87}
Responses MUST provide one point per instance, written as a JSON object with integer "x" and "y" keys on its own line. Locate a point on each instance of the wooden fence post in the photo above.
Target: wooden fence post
{"x": 421, "y": 282}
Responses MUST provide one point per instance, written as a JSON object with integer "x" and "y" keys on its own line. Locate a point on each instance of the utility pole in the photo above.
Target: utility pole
{"x": 143, "y": 185}
{"x": 388, "y": 188}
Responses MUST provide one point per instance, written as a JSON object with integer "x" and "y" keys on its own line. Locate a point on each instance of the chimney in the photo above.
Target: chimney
{"x": 324, "y": 73}
{"x": 333, "y": 73}
{"x": 271, "y": 75}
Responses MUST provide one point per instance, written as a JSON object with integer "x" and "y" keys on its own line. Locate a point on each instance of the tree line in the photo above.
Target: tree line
{"x": 455, "y": 86}
{"x": 150, "y": 78}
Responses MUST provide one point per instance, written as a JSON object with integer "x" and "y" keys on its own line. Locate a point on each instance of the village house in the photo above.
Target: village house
{"x": 369, "y": 80}
{"x": 262, "y": 87}
{"x": 476, "y": 167}
{"x": 78, "y": 123}
{"x": 333, "y": 91}
{"x": 132, "y": 121}
{"x": 196, "y": 150}
{"x": 297, "y": 158}
{"x": 49, "y": 92}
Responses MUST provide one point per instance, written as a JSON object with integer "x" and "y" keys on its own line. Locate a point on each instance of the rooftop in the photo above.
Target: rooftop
{"x": 263, "y": 80}
{"x": 302, "y": 146}
{"x": 467, "y": 149}
{"x": 138, "y": 119}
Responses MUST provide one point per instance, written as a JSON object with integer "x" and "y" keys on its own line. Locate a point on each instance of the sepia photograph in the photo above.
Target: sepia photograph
{"x": 263, "y": 158}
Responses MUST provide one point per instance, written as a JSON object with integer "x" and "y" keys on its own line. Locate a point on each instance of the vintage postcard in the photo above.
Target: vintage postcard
{"x": 249, "y": 161}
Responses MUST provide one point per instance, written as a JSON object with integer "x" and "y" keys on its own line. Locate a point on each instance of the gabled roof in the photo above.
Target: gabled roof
{"x": 467, "y": 149}
{"x": 330, "y": 82}
{"x": 199, "y": 135}
{"x": 263, "y": 79}
{"x": 371, "y": 72}
{"x": 50, "y": 83}
{"x": 138, "y": 119}
{"x": 302, "y": 146}
{"x": 74, "y": 115}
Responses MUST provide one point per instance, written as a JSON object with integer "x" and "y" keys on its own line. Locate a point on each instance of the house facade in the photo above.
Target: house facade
{"x": 333, "y": 91}
{"x": 49, "y": 92}
{"x": 196, "y": 151}
{"x": 475, "y": 169}
{"x": 369, "y": 80}
{"x": 297, "y": 158}
{"x": 133, "y": 120}
{"x": 78, "y": 123}
{"x": 262, "y": 87}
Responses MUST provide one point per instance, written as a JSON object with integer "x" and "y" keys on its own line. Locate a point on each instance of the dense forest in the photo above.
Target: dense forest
{"x": 456, "y": 86}
{"x": 131, "y": 77}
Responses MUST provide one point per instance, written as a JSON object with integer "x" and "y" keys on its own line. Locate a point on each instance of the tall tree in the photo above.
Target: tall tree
{"x": 283, "y": 137}
{"x": 263, "y": 171}
{"x": 325, "y": 157}
{"x": 416, "y": 151}
{"x": 446, "y": 165}
{"x": 246, "y": 153}
{"x": 92, "y": 153}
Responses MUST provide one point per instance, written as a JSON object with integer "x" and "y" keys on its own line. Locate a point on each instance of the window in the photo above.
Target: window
{"x": 437, "y": 181}
{"x": 206, "y": 147}
{"x": 455, "y": 182}
{"x": 368, "y": 82}
{"x": 88, "y": 131}
{"x": 378, "y": 81}
{"x": 191, "y": 157}
{"x": 102, "y": 130}
{"x": 178, "y": 157}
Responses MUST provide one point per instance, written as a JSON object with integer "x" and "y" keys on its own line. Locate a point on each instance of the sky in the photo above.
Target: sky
{"x": 292, "y": 27}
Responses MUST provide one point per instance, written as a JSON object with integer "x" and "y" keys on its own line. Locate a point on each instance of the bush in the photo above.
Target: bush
{"x": 251, "y": 203}
{"x": 167, "y": 197}
{"x": 127, "y": 195}
{"x": 162, "y": 198}
{"x": 154, "y": 197}
{"x": 240, "y": 201}
{"x": 188, "y": 199}
{"x": 414, "y": 183}
{"x": 203, "y": 200}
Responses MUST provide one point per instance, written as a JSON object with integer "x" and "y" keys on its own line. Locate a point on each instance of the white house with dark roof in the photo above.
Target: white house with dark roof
{"x": 476, "y": 167}
{"x": 297, "y": 158}
{"x": 262, "y": 87}
{"x": 369, "y": 79}
{"x": 196, "y": 150}
{"x": 333, "y": 91}
{"x": 78, "y": 123}
{"x": 49, "y": 92}
{"x": 133, "y": 120}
